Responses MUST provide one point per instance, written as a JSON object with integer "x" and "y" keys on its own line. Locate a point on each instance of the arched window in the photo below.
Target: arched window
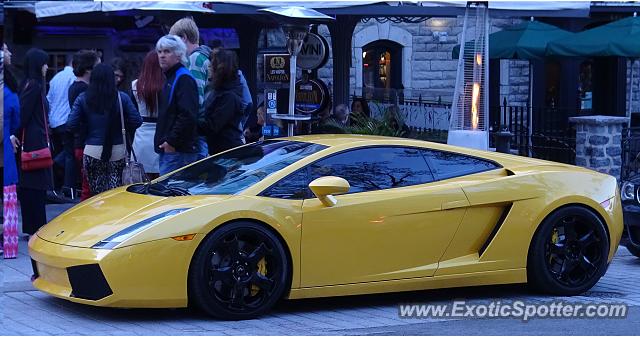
{"x": 382, "y": 65}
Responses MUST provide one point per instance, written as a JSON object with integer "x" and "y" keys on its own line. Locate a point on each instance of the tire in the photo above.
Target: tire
{"x": 568, "y": 262}
{"x": 239, "y": 272}
{"x": 633, "y": 249}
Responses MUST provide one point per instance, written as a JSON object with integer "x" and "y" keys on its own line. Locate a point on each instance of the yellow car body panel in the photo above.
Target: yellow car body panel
{"x": 464, "y": 231}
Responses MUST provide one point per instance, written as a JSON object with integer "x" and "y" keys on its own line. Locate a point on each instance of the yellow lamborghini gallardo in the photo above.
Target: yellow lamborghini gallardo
{"x": 331, "y": 215}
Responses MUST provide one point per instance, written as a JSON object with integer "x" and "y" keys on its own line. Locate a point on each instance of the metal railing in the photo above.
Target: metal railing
{"x": 630, "y": 153}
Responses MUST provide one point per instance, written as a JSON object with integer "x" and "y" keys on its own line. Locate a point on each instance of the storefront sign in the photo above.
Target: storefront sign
{"x": 311, "y": 96}
{"x": 314, "y": 52}
{"x": 271, "y": 101}
{"x": 276, "y": 68}
{"x": 271, "y": 131}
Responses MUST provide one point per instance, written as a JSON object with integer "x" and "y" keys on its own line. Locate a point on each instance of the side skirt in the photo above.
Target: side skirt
{"x": 508, "y": 276}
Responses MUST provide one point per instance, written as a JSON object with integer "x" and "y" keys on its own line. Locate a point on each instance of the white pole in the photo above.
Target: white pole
{"x": 530, "y": 112}
{"x": 292, "y": 93}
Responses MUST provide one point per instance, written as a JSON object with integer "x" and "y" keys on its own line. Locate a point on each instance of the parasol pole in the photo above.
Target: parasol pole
{"x": 530, "y": 112}
{"x": 633, "y": 61}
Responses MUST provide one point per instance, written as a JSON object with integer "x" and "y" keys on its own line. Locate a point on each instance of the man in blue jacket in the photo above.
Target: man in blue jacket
{"x": 176, "y": 130}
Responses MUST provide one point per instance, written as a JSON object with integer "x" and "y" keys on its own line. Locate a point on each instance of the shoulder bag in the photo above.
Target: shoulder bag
{"x": 133, "y": 172}
{"x": 40, "y": 158}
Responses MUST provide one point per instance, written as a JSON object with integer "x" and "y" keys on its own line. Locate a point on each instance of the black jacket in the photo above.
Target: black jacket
{"x": 33, "y": 108}
{"x": 94, "y": 125}
{"x": 177, "y": 123}
{"x": 75, "y": 90}
{"x": 222, "y": 124}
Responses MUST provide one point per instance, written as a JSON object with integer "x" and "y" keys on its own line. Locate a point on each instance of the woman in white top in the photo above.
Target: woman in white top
{"x": 146, "y": 90}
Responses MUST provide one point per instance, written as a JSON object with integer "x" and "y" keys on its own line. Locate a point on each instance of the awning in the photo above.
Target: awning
{"x": 45, "y": 9}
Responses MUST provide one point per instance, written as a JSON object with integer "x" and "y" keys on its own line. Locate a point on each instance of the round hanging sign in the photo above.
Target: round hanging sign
{"x": 314, "y": 53}
{"x": 312, "y": 96}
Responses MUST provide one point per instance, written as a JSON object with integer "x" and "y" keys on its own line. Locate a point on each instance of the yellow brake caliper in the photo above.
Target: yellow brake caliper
{"x": 554, "y": 239}
{"x": 262, "y": 269}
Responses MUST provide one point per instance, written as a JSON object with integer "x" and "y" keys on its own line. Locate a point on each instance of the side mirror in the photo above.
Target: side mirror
{"x": 325, "y": 187}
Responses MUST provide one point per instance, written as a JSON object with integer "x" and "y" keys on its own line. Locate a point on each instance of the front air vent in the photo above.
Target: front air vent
{"x": 34, "y": 267}
{"x": 88, "y": 282}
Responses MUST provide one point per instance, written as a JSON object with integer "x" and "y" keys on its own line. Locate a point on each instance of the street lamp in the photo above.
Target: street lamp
{"x": 296, "y": 22}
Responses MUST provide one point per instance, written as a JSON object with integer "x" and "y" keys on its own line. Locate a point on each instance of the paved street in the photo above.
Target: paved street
{"x": 29, "y": 312}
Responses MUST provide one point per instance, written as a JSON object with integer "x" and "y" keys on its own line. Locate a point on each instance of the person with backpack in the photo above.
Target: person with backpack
{"x": 197, "y": 63}
{"x": 176, "y": 130}
{"x": 222, "y": 123}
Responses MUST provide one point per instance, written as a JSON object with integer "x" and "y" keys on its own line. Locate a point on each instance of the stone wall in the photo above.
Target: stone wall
{"x": 635, "y": 105}
{"x": 599, "y": 143}
{"x": 430, "y": 67}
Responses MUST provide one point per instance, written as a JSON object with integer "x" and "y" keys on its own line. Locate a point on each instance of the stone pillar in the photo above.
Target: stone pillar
{"x": 599, "y": 143}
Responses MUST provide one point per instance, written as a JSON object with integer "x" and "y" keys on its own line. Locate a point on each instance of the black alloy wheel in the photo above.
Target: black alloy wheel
{"x": 239, "y": 272}
{"x": 631, "y": 240}
{"x": 569, "y": 252}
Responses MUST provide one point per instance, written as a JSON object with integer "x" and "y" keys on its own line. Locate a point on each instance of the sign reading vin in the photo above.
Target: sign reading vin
{"x": 314, "y": 52}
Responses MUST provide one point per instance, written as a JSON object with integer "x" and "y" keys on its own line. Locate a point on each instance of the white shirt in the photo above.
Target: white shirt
{"x": 58, "y": 97}
{"x": 142, "y": 106}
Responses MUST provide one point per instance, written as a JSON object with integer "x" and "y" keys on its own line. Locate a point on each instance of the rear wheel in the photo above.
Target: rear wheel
{"x": 239, "y": 272}
{"x": 569, "y": 251}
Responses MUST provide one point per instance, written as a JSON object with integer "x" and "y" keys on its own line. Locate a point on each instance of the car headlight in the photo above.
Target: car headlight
{"x": 627, "y": 191}
{"x": 121, "y": 236}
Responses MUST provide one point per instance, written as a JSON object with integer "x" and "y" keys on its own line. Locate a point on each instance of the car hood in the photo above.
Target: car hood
{"x": 108, "y": 213}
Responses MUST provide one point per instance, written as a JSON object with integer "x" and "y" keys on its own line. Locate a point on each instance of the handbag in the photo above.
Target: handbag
{"x": 40, "y": 158}
{"x": 133, "y": 172}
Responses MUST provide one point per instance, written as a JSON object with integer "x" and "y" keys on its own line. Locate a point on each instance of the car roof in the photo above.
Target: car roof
{"x": 344, "y": 139}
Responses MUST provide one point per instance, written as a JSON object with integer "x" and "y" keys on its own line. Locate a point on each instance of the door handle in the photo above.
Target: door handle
{"x": 454, "y": 204}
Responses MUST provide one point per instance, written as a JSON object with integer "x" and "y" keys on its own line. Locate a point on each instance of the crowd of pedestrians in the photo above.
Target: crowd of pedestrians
{"x": 188, "y": 101}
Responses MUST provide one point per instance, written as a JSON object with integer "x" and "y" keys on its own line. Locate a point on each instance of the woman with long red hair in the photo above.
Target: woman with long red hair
{"x": 146, "y": 90}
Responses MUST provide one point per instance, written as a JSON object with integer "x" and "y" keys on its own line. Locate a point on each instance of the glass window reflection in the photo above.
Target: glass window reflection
{"x": 447, "y": 165}
{"x": 376, "y": 168}
{"x": 238, "y": 169}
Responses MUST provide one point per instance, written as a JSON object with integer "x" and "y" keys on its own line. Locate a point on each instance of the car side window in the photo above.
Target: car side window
{"x": 294, "y": 186}
{"x": 375, "y": 168}
{"x": 447, "y": 165}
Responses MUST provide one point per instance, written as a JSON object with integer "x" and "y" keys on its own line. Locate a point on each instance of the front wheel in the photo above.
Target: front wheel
{"x": 633, "y": 249}
{"x": 239, "y": 272}
{"x": 569, "y": 252}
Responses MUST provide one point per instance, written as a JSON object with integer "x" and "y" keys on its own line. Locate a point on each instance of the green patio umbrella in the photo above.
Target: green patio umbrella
{"x": 618, "y": 38}
{"x": 526, "y": 41}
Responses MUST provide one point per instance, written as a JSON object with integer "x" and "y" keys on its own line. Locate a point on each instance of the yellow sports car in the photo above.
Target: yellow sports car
{"x": 331, "y": 215}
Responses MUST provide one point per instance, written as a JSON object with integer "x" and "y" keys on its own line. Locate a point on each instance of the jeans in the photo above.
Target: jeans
{"x": 64, "y": 157}
{"x": 203, "y": 148}
{"x": 172, "y": 161}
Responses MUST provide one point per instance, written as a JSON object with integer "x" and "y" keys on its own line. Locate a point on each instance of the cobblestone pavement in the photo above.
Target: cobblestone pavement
{"x": 24, "y": 311}
{"x": 28, "y": 312}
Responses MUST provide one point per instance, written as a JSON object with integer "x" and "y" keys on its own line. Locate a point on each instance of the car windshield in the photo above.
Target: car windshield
{"x": 233, "y": 171}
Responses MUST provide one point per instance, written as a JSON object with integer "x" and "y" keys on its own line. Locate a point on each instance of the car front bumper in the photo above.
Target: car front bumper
{"x": 631, "y": 215}
{"x": 151, "y": 275}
